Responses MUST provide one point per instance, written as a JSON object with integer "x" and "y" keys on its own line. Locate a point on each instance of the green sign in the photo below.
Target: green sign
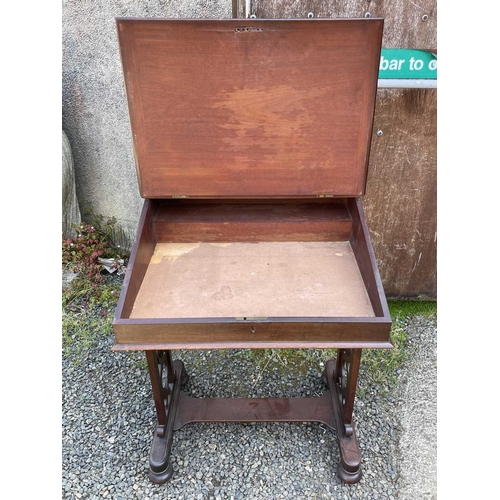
{"x": 407, "y": 63}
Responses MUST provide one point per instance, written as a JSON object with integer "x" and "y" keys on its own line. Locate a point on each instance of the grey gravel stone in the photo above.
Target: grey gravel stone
{"x": 108, "y": 419}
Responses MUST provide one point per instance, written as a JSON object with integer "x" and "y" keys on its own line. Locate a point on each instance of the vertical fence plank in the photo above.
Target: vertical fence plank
{"x": 400, "y": 201}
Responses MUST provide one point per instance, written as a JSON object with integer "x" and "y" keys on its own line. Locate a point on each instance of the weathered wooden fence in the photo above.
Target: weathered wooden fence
{"x": 400, "y": 199}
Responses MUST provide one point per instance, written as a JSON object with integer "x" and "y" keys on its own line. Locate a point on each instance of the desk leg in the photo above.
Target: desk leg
{"x": 341, "y": 377}
{"x": 166, "y": 381}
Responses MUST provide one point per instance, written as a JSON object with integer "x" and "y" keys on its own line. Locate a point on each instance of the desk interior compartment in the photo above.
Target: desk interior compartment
{"x": 234, "y": 273}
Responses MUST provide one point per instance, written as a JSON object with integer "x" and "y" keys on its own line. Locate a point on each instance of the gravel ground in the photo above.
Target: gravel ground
{"x": 417, "y": 396}
{"x": 108, "y": 420}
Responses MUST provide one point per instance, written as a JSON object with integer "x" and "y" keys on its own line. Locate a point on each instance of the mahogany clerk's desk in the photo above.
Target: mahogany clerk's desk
{"x": 251, "y": 141}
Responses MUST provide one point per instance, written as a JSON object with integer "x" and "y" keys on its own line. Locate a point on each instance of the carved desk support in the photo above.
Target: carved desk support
{"x": 174, "y": 409}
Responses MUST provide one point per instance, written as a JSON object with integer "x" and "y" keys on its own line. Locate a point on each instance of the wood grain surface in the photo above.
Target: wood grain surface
{"x": 401, "y": 196}
{"x": 405, "y": 25}
{"x": 138, "y": 263}
{"x": 278, "y": 332}
{"x": 258, "y": 332}
{"x": 255, "y": 108}
{"x": 363, "y": 251}
{"x": 211, "y": 221}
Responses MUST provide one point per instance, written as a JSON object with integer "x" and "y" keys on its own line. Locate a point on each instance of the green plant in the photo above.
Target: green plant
{"x": 81, "y": 254}
{"x": 91, "y": 297}
{"x": 92, "y": 242}
{"x": 381, "y": 365}
{"x": 110, "y": 230}
{"x": 404, "y": 308}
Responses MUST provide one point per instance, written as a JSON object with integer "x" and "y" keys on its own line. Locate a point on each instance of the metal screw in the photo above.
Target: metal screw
{"x": 310, "y": 15}
{"x": 425, "y": 17}
{"x": 368, "y": 14}
{"x": 379, "y": 132}
{"x": 253, "y": 16}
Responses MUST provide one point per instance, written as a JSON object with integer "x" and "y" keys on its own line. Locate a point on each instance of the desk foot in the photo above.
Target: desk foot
{"x": 185, "y": 377}
{"x": 161, "y": 477}
{"x": 348, "y": 477}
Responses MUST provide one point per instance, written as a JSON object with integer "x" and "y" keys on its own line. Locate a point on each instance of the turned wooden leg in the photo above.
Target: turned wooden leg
{"x": 166, "y": 380}
{"x": 341, "y": 378}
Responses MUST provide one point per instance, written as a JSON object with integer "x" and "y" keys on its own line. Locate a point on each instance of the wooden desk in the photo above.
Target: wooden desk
{"x": 252, "y": 233}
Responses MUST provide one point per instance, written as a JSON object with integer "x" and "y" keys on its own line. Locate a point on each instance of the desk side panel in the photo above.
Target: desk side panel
{"x": 138, "y": 263}
{"x": 365, "y": 256}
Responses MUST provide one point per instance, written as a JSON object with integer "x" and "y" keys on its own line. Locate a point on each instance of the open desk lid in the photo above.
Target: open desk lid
{"x": 251, "y": 107}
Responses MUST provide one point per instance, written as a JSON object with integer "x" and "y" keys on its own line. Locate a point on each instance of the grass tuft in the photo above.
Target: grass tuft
{"x": 405, "y": 308}
{"x": 82, "y": 325}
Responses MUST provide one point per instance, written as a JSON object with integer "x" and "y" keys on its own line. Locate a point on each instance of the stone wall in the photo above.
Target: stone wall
{"x": 94, "y": 109}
